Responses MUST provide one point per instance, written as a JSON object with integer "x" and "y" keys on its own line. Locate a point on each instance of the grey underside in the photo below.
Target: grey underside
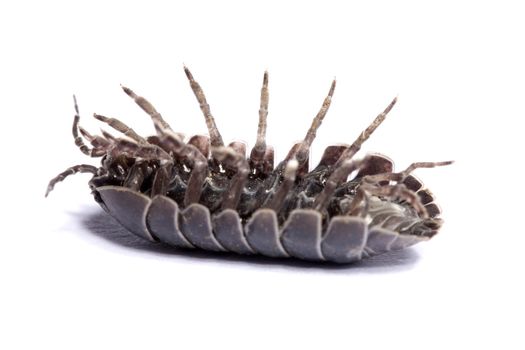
{"x": 344, "y": 239}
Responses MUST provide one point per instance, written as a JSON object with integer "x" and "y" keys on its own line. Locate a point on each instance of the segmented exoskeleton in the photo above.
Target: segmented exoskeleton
{"x": 200, "y": 193}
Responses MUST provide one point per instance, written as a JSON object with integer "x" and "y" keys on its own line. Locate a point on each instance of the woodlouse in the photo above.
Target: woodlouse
{"x": 203, "y": 194}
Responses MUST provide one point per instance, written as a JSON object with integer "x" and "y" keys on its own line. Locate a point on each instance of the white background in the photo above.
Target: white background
{"x": 72, "y": 279}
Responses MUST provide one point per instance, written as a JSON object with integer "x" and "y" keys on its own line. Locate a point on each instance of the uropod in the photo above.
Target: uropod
{"x": 197, "y": 192}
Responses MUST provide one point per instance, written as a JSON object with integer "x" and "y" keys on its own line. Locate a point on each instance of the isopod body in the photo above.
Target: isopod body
{"x": 199, "y": 193}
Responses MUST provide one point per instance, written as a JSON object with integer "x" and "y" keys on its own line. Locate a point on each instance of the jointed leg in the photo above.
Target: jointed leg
{"x": 399, "y": 177}
{"x": 145, "y": 151}
{"x": 277, "y": 200}
{"x": 400, "y": 191}
{"x": 371, "y": 185}
{"x": 232, "y": 159}
{"x": 92, "y": 152}
{"x": 82, "y": 168}
{"x": 95, "y": 140}
{"x": 261, "y": 156}
{"x": 120, "y": 126}
{"x": 141, "y": 170}
{"x": 215, "y": 136}
{"x": 356, "y": 146}
{"x": 302, "y": 152}
{"x": 136, "y": 176}
{"x": 162, "y": 180}
{"x": 355, "y": 208}
{"x": 199, "y": 164}
{"x": 108, "y": 136}
{"x": 138, "y": 147}
{"x": 196, "y": 181}
{"x": 171, "y": 142}
{"x": 337, "y": 177}
{"x": 99, "y": 143}
{"x": 392, "y": 191}
{"x": 147, "y": 107}
{"x": 258, "y": 151}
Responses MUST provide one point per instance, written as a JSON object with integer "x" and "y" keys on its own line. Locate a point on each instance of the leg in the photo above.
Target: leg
{"x": 146, "y": 151}
{"x": 174, "y": 145}
{"x": 355, "y": 208}
{"x": 136, "y": 176}
{"x": 147, "y": 107}
{"x": 196, "y": 181}
{"x": 162, "y": 180}
{"x": 259, "y": 150}
{"x": 356, "y": 146}
{"x": 392, "y": 191}
{"x": 193, "y": 156}
{"x": 303, "y": 151}
{"x": 337, "y": 177}
{"x": 138, "y": 146}
{"x": 232, "y": 159}
{"x": 120, "y": 126}
{"x": 108, "y": 136}
{"x": 399, "y": 177}
{"x": 92, "y": 152}
{"x": 100, "y": 144}
{"x": 215, "y": 136}
{"x": 82, "y": 168}
{"x": 95, "y": 140}
{"x": 277, "y": 200}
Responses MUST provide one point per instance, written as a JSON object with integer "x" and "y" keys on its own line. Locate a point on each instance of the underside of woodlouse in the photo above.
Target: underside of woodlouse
{"x": 199, "y": 193}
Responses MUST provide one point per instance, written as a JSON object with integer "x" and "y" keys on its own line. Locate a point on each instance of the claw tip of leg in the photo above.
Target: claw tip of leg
{"x": 188, "y": 73}
{"x": 332, "y": 88}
